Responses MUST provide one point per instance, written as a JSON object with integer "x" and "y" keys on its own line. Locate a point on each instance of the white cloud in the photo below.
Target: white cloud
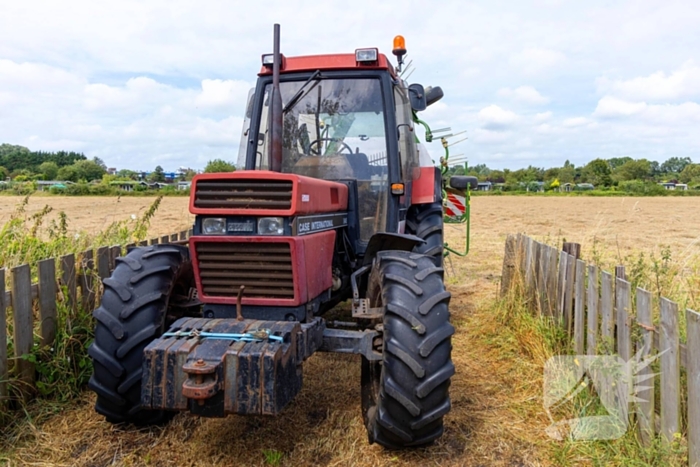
{"x": 575, "y": 122}
{"x": 533, "y": 61}
{"x": 494, "y": 117}
{"x": 612, "y": 107}
{"x": 683, "y": 83}
{"x": 525, "y": 94}
{"x": 542, "y": 116}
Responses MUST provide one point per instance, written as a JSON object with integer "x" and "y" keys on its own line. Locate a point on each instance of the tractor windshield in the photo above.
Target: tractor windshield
{"x": 334, "y": 129}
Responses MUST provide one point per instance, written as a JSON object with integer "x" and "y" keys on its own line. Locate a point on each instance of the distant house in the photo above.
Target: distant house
{"x": 127, "y": 185}
{"x": 668, "y": 185}
{"x": 46, "y": 185}
{"x": 184, "y": 185}
{"x": 681, "y": 186}
{"x": 484, "y": 186}
{"x": 584, "y": 187}
{"x": 566, "y": 187}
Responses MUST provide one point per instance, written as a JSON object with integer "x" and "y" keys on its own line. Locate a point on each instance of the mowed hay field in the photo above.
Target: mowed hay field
{"x": 497, "y": 416}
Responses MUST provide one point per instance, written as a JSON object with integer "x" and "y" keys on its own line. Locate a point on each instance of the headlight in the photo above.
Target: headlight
{"x": 270, "y": 226}
{"x": 214, "y": 226}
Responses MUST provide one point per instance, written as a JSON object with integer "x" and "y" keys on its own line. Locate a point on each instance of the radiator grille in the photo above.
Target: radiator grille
{"x": 243, "y": 194}
{"x": 264, "y": 268}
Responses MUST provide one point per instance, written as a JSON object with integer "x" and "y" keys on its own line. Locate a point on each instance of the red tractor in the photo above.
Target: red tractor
{"x": 333, "y": 202}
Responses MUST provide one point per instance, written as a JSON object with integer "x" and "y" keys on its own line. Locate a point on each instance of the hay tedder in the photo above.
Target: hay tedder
{"x": 335, "y": 200}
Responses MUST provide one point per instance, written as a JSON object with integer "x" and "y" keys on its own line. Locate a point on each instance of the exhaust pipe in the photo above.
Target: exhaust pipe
{"x": 275, "y": 159}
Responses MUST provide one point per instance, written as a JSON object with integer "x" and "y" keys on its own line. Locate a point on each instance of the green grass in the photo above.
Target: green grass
{"x": 64, "y": 368}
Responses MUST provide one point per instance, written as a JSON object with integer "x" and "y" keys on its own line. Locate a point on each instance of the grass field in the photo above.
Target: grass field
{"x": 497, "y": 416}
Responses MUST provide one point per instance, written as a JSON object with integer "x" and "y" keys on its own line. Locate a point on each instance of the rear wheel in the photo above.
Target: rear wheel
{"x": 426, "y": 221}
{"x": 406, "y": 395}
{"x": 140, "y": 301}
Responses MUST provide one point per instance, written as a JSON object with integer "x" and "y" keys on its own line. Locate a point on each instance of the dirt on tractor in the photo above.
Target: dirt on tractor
{"x": 497, "y": 416}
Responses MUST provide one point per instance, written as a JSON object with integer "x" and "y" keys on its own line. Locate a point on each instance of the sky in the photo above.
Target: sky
{"x": 146, "y": 83}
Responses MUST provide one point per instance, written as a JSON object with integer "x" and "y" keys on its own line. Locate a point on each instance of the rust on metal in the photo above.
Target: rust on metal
{"x": 239, "y": 311}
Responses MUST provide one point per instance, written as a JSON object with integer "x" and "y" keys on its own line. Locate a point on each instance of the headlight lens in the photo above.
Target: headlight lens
{"x": 270, "y": 226}
{"x": 214, "y": 226}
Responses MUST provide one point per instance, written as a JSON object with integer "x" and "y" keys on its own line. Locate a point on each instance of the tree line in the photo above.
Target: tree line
{"x": 19, "y": 164}
{"x": 621, "y": 172}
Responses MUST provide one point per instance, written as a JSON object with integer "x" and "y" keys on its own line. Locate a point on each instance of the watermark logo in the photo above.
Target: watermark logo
{"x": 600, "y": 385}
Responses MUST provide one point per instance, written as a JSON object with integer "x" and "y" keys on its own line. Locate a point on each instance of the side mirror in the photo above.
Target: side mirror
{"x": 461, "y": 182}
{"x": 416, "y": 94}
{"x": 433, "y": 94}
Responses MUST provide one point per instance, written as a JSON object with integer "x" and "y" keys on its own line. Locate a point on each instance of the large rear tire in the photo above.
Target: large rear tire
{"x": 136, "y": 308}
{"x": 406, "y": 395}
{"x": 426, "y": 221}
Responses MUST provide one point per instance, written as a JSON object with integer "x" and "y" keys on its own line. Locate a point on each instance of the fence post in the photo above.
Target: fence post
{"x": 87, "y": 282}
{"x": 183, "y": 235}
{"x": 114, "y": 253}
{"x": 47, "y": 300}
{"x": 645, "y": 408}
{"x": 509, "y": 259}
{"x": 593, "y": 303}
{"x": 670, "y": 370}
{"x": 23, "y": 326}
{"x": 103, "y": 262}
{"x": 622, "y": 309}
{"x": 606, "y": 309}
{"x": 3, "y": 340}
{"x": 542, "y": 279}
{"x": 561, "y": 287}
{"x": 69, "y": 280}
{"x": 529, "y": 266}
{"x": 693, "y": 372}
{"x": 569, "y": 294}
{"x": 165, "y": 239}
{"x": 580, "y": 308}
{"x": 552, "y": 282}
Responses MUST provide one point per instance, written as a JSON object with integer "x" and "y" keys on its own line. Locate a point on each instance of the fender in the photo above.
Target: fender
{"x": 389, "y": 241}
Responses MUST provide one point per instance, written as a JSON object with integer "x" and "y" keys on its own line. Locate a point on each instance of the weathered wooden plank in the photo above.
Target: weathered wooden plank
{"x": 561, "y": 287}
{"x": 23, "y": 325}
{"x": 114, "y": 253}
{"x": 623, "y": 303}
{"x": 574, "y": 249}
{"x": 165, "y": 239}
{"x": 541, "y": 281}
{"x": 154, "y": 241}
{"x": 183, "y": 235}
{"x": 569, "y": 294}
{"x": 670, "y": 370}
{"x": 508, "y": 265}
{"x": 143, "y": 243}
{"x": 580, "y": 307}
{"x": 607, "y": 327}
{"x": 693, "y": 374}
{"x": 552, "y": 282}
{"x": 103, "y": 262}
{"x": 69, "y": 280}
{"x": 645, "y": 391}
{"x": 173, "y": 238}
{"x": 593, "y": 304}
{"x": 87, "y": 283}
{"x": 47, "y": 301}
{"x": 3, "y": 341}
{"x": 529, "y": 265}
{"x": 190, "y": 233}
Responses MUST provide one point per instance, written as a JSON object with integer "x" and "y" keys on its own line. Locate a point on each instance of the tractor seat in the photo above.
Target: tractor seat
{"x": 360, "y": 165}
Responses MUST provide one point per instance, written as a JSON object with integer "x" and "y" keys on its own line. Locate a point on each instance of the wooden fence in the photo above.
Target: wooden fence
{"x": 77, "y": 285}
{"x": 597, "y": 307}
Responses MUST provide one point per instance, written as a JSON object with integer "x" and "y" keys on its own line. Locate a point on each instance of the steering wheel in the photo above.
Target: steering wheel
{"x": 334, "y": 140}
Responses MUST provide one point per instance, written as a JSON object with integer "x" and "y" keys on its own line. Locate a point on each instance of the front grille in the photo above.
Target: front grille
{"x": 243, "y": 194}
{"x": 264, "y": 268}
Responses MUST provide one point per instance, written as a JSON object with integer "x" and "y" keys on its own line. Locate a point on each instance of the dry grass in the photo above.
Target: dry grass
{"x": 497, "y": 416}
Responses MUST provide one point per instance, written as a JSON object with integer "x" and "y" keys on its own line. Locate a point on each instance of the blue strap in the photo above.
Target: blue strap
{"x": 256, "y": 336}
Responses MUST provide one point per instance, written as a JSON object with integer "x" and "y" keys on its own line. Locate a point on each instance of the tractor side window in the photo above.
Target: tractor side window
{"x": 407, "y": 137}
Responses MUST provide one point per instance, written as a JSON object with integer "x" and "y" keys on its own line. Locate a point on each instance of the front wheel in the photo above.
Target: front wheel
{"x": 406, "y": 394}
{"x": 140, "y": 301}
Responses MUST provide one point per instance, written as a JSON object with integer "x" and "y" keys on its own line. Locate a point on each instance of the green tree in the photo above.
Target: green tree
{"x": 633, "y": 170}
{"x": 4, "y": 173}
{"x": 598, "y": 173}
{"x": 219, "y": 165}
{"x": 89, "y": 170}
{"x": 616, "y": 162}
{"x": 689, "y": 173}
{"x": 49, "y": 170}
{"x": 675, "y": 165}
{"x": 158, "y": 175}
{"x": 126, "y": 174}
{"x": 68, "y": 173}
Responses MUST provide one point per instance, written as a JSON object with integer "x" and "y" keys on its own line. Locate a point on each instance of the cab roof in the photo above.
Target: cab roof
{"x": 328, "y": 62}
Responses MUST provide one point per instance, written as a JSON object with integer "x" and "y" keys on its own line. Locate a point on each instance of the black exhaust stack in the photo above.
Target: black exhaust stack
{"x": 276, "y": 108}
